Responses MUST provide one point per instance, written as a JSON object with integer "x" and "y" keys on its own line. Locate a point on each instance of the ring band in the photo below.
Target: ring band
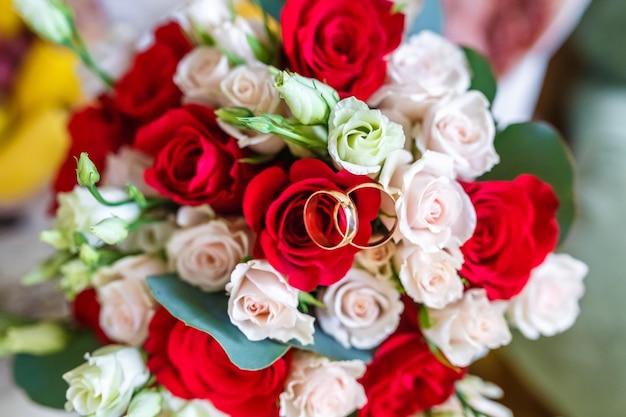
{"x": 343, "y": 202}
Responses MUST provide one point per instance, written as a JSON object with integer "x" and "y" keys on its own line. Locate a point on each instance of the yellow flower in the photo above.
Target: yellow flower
{"x": 10, "y": 23}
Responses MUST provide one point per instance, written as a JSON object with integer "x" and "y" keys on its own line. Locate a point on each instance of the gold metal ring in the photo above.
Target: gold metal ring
{"x": 350, "y": 219}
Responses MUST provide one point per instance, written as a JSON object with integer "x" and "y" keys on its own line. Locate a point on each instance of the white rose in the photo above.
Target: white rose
{"x": 360, "y": 139}
{"x": 319, "y": 387}
{"x": 79, "y": 211}
{"x": 199, "y": 75}
{"x": 377, "y": 260}
{"x": 104, "y": 385}
{"x": 466, "y": 328}
{"x": 127, "y": 167}
{"x": 462, "y": 128}
{"x": 262, "y": 304}
{"x": 430, "y": 278}
{"x": 177, "y": 407}
{"x": 548, "y": 304}
{"x": 208, "y": 13}
{"x": 360, "y": 311}
{"x": 433, "y": 210}
{"x": 205, "y": 255}
{"x": 126, "y": 303}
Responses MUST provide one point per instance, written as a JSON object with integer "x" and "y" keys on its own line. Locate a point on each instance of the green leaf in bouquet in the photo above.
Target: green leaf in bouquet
{"x": 326, "y": 345}
{"x": 536, "y": 148}
{"x": 207, "y": 312}
{"x": 41, "y": 376}
{"x": 483, "y": 78}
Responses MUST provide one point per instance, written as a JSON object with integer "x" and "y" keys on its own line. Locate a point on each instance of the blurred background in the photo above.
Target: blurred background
{"x": 556, "y": 60}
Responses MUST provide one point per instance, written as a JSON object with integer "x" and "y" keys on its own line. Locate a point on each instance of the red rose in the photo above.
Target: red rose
{"x": 340, "y": 42}
{"x": 98, "y": 130}
{"x": 191, "y": 364}
{"x": 196, "y": 162}
{"x": 86, "y": 312}
{"x": 274, "y": 206}
{"x": 148, "y": 90}
{"x": 405, "y": 378}
{"x": 515, "y": 231}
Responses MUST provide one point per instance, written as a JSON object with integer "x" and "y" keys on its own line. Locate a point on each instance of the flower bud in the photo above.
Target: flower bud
{"x": 309, "y": 100}
{"x": 87, "y": 174}
{"x": 50, "y": 19}
{"x": 111, "y": 231}
{"x": 36, "y": 339}
{"x": 146, "y": 403}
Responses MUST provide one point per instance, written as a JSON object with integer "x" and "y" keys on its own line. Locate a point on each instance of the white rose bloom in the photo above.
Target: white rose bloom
{"x": 360, "y": 311}
{"x": 462, "y": 128}
{"x": 127, "y": 167}
{"x": 319, "y": 387}
{"x": 79, "y": 211}
{"x": 548, "y": 304}
{"x": 360, "y": 139}
{"x": 104, "y": 385}
{"x": 430, "y": 278}
{"x": 199, "y": 75}
{"x": 377, "y": 261}
{"x": 433, "y": 210}
{"x": 177, "y": 407}
{"x": 188, "y": 216}
{"x": 466, "y": 328}
{"x": 208, "y": 13}
{"x": 263, "y": 305}
{"x": 205, "y": 255}
{"x": 126, "y": 303}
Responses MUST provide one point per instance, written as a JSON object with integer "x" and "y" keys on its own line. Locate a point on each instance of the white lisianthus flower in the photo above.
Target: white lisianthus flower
{"x": 263, "y": 305}
{"x": 104, "y": 385}
{"x": 360, "y": 139}
{"x": 319, "y": 387}
{"x": 232, "y": 36}
{"x": 548, "y": 304}
{"x": 377, "y": 260}
{"x": 48, "y": 18}
{"x": 430, "y": 278}
{"x": 150, "y": 237}
{"x": 205, "y": 255}
{"x": 177, "y": 407}
{"x": 468, "y": 327}
{"x": 126, "y": 302}
{"x": 462, "y": 128}
{"x": 127, "y": 167}
{"x": 360, "y": 311}
{"x": 208, "y": 14}
{"x": 199, "y": 75}
{"x": 433, "y": 210}
{"x": 79, "y": 211}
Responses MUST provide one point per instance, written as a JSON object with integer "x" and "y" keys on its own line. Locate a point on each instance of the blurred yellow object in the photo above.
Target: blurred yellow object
{"x": 47, "y": 79}
{"x": 31, "y": 152}
{"x": 10, "y": 23}
{"x": 250, "y": 10}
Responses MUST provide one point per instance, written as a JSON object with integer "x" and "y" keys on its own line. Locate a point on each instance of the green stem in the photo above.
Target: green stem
{"x": 79, "y": 47}
{"x": 96, "y": 194}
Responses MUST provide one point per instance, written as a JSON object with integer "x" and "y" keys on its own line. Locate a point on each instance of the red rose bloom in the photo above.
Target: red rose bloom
{"x": 341, "y": 43}
{"x": 274, "y": 208}
{"x": 516, "y": 229}
{"x": 86, "y": 312}
{"x": 192, "y": 365}
{"x": 98, "y": 130}
{"x": 148, "y": 90}
{"x": 196, "y": 162}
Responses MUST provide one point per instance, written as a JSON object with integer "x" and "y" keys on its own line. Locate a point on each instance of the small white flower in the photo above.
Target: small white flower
{"x": 468, "y": 327}
{"x": 263, "y": 305}
{"x": 462, "y": 128}
{"x": 548, "y": 304}
{"x": 309, "y": 100}
{"x": 199, "y": 75}
{"x": 360, "y": 139}
{"x": 104, "y": 385}
{"x": 127, "y": 166}
{"x": 177, "y": 407}
{"x": 360, "y": 311}
{"x": 319, "y": 387}
{"x": 48, "y": 18}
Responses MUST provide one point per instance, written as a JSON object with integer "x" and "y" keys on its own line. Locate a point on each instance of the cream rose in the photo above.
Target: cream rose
{"x": 205, "y": 255}
{"x": 126, "y": 304}
{"x": 263, "y": 305}
{"x": 360, "y": 139}
{"x": 433, "y": 210}
{"x": 548, "y": 304}
{"x": 319, "y": 387}
{"x": 127, "y": 167}
{"x": 462, "y": 128}
{"x": 104, "y": 385}
{"x": 430, "y": 278}
{"x": 377, "y": 261}
{"x": 466, "y": 328}
{"x": 199, "y": 75}
{"x": 188, "y": 216}
{"x": 360, "y": 311}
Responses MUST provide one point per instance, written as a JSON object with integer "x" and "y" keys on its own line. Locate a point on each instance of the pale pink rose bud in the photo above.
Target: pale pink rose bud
{"x": 199, "y": 75}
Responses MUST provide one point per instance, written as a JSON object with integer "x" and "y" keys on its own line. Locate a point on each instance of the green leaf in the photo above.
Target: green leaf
{"x": 41, "y": 376}
{"x": 326, "y": 345}
{"x": 208, "y": 312}
{"x": 483, "y": 78}
{"x": 536, "y": 148}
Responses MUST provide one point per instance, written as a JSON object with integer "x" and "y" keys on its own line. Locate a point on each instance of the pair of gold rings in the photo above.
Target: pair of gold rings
{"x": 345, "y": 219}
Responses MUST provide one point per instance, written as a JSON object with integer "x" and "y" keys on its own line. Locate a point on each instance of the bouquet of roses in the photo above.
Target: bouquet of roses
{"x": 311, "y": 218}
